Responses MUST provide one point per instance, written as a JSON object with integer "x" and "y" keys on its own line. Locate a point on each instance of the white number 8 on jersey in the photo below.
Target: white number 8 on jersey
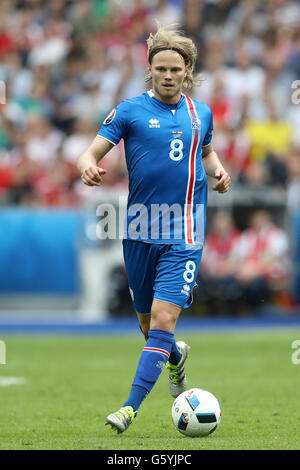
{"x": 176, "y": 150}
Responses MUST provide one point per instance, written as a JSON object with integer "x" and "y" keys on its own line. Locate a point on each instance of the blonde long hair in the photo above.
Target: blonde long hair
{"x": 175, "y": 40}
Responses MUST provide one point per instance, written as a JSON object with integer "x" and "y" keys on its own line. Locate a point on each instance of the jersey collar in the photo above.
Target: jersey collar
{"x": 163, "y": 105}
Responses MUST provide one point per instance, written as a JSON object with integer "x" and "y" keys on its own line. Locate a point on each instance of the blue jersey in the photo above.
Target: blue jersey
{"x": 167, "y": 182}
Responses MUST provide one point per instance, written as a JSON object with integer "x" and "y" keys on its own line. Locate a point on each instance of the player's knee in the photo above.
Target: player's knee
{"x": 163, "y": 320}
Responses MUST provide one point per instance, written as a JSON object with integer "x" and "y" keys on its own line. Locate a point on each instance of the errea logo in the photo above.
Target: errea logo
{"x": 186, "y": 290}
{"x": 154, "y": 123}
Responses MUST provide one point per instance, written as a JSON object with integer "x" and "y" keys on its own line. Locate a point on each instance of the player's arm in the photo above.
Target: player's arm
{"x": 214, "y": 168}
{"x": 91, "y": 173}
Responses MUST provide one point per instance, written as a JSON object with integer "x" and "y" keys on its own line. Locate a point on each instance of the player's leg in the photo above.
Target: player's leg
{"x": 140, "y": 260}
{"x": 164, "y": 315}
{"x": 144, "y": 321}
{"x": 152, "y": 360}
{"x": 156, "y": 352}
{"x": 164, "y": 312}
{"x": 160, "y": 346}
{"x": 176, "y": 277}
{"x": 159, "y": 326}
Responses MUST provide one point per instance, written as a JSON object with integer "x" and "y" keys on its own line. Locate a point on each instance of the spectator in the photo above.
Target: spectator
{"x": 245, "y": 80}
{"x": 168, "y": 13}
{"x": 270, "y": 135}
{"x": 221, "y": 245}
{"x": 242, "y": 271}
{"x": 43, "y": 141}
{"x": 217, "y": 288}
{"x": 263, "y": 261}
{"x": 255, "y": 176}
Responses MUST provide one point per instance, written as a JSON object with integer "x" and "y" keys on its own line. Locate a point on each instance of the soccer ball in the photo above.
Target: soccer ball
{"x": 196, "y": 413}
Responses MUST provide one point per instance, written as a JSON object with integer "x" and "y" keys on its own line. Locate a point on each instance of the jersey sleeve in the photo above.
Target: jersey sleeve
{"x": 114, "y": 126}
{"x": 208, "y": 135}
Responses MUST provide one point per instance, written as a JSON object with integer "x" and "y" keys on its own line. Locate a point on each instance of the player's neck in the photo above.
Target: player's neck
{"x": 167, "y": 100}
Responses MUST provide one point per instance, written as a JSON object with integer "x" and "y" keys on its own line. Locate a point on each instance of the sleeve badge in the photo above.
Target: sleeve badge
{"x": 110, "y": 117}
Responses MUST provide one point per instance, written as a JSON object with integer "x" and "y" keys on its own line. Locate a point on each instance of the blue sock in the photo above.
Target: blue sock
{"x": 175, "y": 355}
{"x": 152, "y": 360}
{"x": 136, "y": 396}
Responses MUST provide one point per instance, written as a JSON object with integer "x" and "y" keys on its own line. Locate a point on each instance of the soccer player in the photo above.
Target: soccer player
{"x": 167, "y": 137}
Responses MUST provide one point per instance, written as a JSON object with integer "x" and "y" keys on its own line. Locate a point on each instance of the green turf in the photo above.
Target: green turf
{"x": 73, "y": 383}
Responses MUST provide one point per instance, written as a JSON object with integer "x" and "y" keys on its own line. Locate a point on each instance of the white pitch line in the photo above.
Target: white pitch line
{"x": 7, "y": 381}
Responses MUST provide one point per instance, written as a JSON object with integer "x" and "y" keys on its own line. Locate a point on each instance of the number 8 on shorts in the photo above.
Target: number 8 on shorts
{"x": 189, "y": 272}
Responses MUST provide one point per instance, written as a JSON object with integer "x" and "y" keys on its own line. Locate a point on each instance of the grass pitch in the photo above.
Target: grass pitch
{"x": 72, "y": 383}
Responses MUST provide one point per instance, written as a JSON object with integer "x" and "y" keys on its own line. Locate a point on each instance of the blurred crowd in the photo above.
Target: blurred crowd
{"x": 244, "y": 271}
{"x": 66, "y": 63}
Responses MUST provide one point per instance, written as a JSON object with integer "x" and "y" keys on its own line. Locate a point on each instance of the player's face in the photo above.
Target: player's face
{"x": 168, "y": 72}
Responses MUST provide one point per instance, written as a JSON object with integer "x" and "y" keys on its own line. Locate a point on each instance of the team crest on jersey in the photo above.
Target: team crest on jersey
{"x": 196, "y": 123}
{"x": 110, "y": 117}
{"x": 154, "y": 123}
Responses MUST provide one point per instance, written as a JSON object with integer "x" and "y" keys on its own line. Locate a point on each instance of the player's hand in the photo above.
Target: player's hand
{"x": 224, "y": 181}
{"x": 92, "y": 175}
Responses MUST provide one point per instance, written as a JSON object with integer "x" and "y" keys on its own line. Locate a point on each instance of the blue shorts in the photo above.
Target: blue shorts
{"x": 163, "y": 272}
